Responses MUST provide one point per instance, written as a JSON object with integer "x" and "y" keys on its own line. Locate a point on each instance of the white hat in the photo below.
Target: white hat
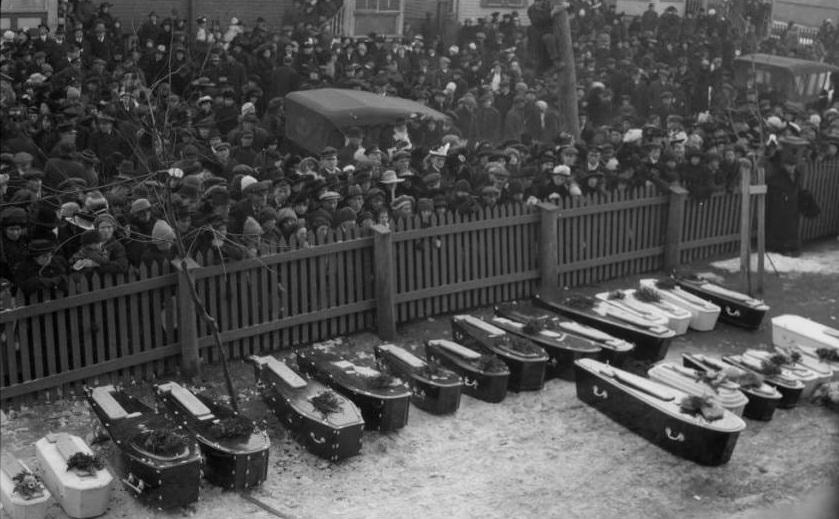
{"x": 248, "y": 108}
{"x": 775, "y": 122}
{"x": 247, "y": 180}
{"x": 442, "y": 151}
{"x": 633, "y": 135}
{"x": 205, "y": 99}
{"x": 563, "y": 170}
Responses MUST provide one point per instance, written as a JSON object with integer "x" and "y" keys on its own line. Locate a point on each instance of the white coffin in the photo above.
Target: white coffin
{"x": 704, "y": 314}
{"x": 794, "y": 330}
{"x": 79, "y": 494}
{"x": 15, "y": 506}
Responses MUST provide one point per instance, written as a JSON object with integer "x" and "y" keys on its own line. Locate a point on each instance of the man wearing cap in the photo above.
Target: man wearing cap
{"x": 43, "y": 269}
{"x": 353, "y": 138}
{"x": 250, "y": 122}
{"x": 105, "y": 142}
{"x": 329, "y": 163}
{"x": 255, "y": 197}
{"x": 558, "y": 185}
{"x": 13, "y": 243}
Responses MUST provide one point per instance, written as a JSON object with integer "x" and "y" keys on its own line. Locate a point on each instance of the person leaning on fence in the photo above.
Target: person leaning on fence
{"x": 42, "y": 269}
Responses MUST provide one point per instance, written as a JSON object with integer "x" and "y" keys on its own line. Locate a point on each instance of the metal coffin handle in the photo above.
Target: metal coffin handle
{"x": 675, "y": 437}
{"x": 319, "y": 441}
{"x": 470, "y": 383}
{"x": 600, "y": 393}
{"x": 732, "y": 313}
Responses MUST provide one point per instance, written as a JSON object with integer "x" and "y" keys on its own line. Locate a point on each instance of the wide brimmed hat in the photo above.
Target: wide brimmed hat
{"x": 389, "y": 177}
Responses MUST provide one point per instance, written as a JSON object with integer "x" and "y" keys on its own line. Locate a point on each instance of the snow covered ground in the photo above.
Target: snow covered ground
{"x": 813, "y": 262}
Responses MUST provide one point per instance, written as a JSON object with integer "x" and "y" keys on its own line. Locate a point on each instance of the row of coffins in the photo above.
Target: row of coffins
{"x": 693, "y": 409}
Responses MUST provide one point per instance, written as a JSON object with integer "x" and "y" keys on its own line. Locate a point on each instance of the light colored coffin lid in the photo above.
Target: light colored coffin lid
{"x": 284, "y": 372}
{"x": 190, "y": 402}
{"x": 405, "y": 356}
{"x": 480, "y": 323}
{"x": 456, "y": 348}
{"x": 103, "y": 396}
{"x": 807, "y": 327}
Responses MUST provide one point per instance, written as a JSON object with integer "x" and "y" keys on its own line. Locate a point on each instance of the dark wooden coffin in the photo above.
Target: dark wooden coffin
{"x": 527, "y": 361}
{"x": 435, "y": 389}
{"x": 235, "y": 450}
{"x": 384, "y": 401}
{"x": 651, "y": 340}
{"x": 653, "y": 411}
{"x": 328, "y": 424}
{"x": 736, "y": 308}
{"x": 763, "y": 398}
{"x": 613, "y": 350}
{"x": 160, "y": 480}
{"x": 562, "y": 348}
{"x": 485, "y": 376}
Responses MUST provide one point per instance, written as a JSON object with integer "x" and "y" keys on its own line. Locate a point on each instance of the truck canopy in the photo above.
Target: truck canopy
{"x": 317, "y": 118}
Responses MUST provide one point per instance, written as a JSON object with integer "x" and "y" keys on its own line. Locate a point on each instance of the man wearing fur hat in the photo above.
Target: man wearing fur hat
{"x": 43, "y": 269}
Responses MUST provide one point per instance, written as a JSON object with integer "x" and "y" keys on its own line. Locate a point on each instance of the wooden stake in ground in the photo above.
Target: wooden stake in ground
{"x": 568, "y": 114}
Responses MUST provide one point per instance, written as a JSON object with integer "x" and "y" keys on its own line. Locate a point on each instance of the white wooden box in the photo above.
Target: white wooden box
{"x": 794, "y": 330}
{"x": 15, "y": 506}
{"x": 79, "y": 494}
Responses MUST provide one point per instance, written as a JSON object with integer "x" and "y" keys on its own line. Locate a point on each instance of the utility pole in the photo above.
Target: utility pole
{"x": 568, "y": 115}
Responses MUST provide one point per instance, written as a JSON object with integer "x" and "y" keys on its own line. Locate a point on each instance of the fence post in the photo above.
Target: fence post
{"x": 385, "y": 285}
{"x": 187, "y": 327}
{"x": 675, "y": 223}
{"x": 548, "y": 247}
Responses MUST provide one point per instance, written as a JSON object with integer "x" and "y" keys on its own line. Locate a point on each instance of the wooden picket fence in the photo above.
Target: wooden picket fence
{"x": 136, "y": 327}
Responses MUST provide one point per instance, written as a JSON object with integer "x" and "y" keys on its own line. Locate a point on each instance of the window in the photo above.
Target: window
{"x": 377, "y": 5}
{"x": 504, "y": 4}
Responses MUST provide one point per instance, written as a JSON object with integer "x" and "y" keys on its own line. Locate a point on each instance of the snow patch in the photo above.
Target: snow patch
{"x": 821, "y": 262}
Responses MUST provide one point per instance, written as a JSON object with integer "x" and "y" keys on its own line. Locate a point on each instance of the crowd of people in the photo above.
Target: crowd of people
{"x": 126, "y": 148}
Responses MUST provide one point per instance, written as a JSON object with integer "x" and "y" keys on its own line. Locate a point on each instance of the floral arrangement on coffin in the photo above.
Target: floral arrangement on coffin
{"x": 828, "y": 354}
{"x": 231, "y": 427}
{"x": 745, "y": 379}
{"x": 703, "y": 406}
{"x": 534, "y": 326}
{"x": 163, "y": 443}
{"x": 827, "y": 394}
{"x": 326, "y": 402}
{"x": 517, "y": 344}
{"x": 490, "y": 364}
{"x": 434, "y": 370}
{"x": 28, "y": 485}
{"x": 85, "y": 463}
{"x": 647, "y": 295}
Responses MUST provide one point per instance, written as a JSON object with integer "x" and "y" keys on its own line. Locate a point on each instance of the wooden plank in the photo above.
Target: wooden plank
{"x": 298, "y": 320}
{"x": 466, "y": 286}
{"x": 11, "y": 334}
{"x": 284, "y": 257}
{"x": 304, "y": 298}
{"x": 86, "y": 296}
{"x": 463, "y": 227}
{"x": 87, "y": 331}
{"x": 88, "y": 372}
{"x": 54, "y": 350}
{"x": 427, "y": 281}
{"x": 37, "y": 346}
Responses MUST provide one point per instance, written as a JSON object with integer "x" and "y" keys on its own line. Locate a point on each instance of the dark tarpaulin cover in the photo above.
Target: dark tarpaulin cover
{"x": 315, "y": 118}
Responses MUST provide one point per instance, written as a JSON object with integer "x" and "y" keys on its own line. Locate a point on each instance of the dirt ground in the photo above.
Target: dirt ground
{"x": 537, "y": 454}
